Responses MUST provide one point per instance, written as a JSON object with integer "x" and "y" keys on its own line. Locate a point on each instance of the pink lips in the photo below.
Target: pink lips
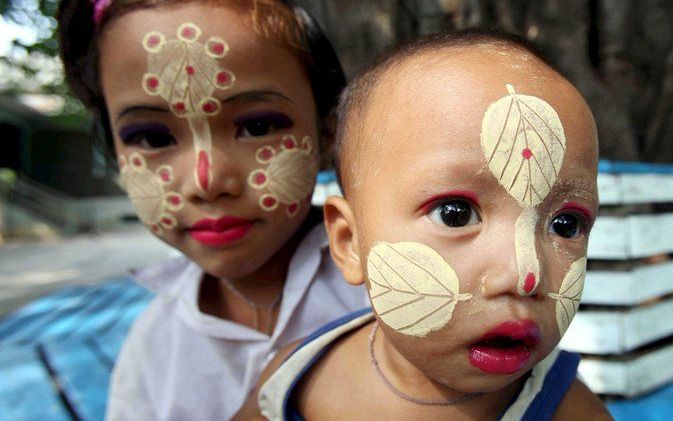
{"x": 505, "y": 349}
{"x": 220, "y": 232}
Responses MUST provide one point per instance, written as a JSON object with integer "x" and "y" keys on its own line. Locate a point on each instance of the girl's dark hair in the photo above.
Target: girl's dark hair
{"x": 290, "y": 26}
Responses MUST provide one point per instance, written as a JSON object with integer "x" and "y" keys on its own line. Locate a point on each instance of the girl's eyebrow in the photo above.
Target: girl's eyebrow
{"x": 249, "y": 96}
{"x": 137, "y": 108}
{"x": 256, "y": 96}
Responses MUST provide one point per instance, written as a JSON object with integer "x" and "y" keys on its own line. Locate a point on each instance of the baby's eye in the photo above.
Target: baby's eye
{"x": 261, "y": 123}
{"x": 147, "y": 136}
{"x": 455, "y": 213}
{"x": 567, "y": 225}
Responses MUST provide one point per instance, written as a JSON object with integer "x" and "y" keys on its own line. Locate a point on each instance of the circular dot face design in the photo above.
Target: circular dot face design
{"x": 147, "y": 191}
{"x": 289, "y": 175}
{"x": 412, "y": 288}
{"x": 186, "y": 73}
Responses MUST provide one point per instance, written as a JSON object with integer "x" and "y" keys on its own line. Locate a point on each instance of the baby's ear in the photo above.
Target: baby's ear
{"x": 343, "y": 239}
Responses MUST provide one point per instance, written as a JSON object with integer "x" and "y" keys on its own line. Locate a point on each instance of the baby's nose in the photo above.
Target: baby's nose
{"x": 515, "y": 268}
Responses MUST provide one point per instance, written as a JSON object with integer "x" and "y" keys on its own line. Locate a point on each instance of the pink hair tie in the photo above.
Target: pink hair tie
{"x": 99, "y": 7}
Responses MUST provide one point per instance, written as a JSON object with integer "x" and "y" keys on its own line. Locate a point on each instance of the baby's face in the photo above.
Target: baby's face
{"x": 477, "y": 194}
{"x": 215, "y": 132}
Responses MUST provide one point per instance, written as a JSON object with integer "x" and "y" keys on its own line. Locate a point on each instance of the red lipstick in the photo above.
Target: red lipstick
{"x": 505, "y": 349}
{"x": 220, "y": 232}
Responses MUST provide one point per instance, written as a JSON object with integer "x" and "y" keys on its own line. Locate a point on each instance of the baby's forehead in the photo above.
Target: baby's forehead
{"x": 430, "y": 107}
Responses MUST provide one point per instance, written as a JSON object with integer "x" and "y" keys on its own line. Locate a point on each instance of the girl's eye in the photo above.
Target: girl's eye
{"x": 261, "y": 123}
{"x": 566, "y": 225}
{"x": 151, "y": 140}
{"x": 147, "y": 136}
{"x": 455, "y": 213}
{"x": 255, "y": 129}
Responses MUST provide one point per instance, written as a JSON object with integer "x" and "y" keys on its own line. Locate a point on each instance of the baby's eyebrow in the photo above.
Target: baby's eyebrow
{"x": 578, "y": 188}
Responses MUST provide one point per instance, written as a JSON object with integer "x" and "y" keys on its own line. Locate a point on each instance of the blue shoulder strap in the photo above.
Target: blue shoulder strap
{"x": 555, "y": 386}
{"x": 290, "y": 410}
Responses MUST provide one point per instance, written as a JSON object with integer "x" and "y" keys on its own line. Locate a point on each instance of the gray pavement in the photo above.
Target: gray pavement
{"x": 28, "y": 270}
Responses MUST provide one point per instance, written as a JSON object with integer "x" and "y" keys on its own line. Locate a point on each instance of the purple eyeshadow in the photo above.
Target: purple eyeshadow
{"x": 130, "y": 131}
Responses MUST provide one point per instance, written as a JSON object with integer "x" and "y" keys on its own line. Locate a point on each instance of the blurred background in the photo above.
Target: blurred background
{"x": 64, "y": 220}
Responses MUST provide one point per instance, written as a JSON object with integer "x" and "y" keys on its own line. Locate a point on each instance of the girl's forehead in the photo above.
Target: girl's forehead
{"x": 162, "y": 37}
{"x": 212, "y": 20}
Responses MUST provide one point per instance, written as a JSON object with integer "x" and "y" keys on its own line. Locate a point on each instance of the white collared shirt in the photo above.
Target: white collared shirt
{"x": 181, "y": 364}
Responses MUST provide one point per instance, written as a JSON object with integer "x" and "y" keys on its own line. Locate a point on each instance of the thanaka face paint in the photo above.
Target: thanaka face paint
{"x": 186, "y": 73}
{"x": 147, "y": 191}
{"x": 570, "y": 292}
{"x": 526, "y": 255}
{"x": 523, "y": 140}
{"x": 524, "y": 143}
{"x": 288, "y": 177}
{"x": 412, "y": 288}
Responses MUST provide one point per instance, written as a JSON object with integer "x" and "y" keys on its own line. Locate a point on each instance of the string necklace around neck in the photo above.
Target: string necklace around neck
{"x": 256, "y": 307}
{"x": 399, "y": 393}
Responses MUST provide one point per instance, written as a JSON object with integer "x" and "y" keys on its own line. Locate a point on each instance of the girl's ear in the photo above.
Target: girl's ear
{"x": 343, "y": 239}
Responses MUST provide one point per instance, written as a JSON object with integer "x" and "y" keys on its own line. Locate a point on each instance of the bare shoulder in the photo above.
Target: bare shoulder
{"x": 250, "y": 409}
{"x": 581, "y": 403}
{"x": 339, "y": 371}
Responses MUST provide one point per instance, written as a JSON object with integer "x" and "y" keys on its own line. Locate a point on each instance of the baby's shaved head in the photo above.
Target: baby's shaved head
{"x": 352, "y": 136}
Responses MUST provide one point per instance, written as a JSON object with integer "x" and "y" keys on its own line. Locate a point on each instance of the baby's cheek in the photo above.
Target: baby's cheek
{"x": 412, "y": 288}
{"x": 569, "y": 293}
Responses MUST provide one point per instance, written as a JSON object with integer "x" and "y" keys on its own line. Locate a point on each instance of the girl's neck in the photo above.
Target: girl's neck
{"x": 242, "y": 299}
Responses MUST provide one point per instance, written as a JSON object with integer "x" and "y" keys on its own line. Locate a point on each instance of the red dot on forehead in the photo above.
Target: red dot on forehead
{"x": 526, "y": 153}
{"x": 189, "y": 70}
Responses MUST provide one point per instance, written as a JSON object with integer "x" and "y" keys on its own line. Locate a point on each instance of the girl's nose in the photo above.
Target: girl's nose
{"x": 225, "y": 177}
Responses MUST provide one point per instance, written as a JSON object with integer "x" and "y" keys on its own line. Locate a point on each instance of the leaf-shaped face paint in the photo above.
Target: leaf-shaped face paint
{"x": 523, "y": 140}
{"x": 413, "y": 289}
{"x": 568, "y": 297}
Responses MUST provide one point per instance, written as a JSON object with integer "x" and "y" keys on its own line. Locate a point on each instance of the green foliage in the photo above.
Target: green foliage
{"x": 31, "y": 63}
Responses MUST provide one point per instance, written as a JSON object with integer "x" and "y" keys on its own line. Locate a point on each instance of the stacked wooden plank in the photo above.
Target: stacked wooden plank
{"x": 624, "y": 328}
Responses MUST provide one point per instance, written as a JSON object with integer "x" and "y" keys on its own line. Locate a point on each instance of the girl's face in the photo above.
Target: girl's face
{"x": 215, "y": 132}
{"x": 473, "y": 280}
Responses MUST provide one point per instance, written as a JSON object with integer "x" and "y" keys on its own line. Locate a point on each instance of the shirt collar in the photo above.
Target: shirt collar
{"x": 302, "y": 270}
